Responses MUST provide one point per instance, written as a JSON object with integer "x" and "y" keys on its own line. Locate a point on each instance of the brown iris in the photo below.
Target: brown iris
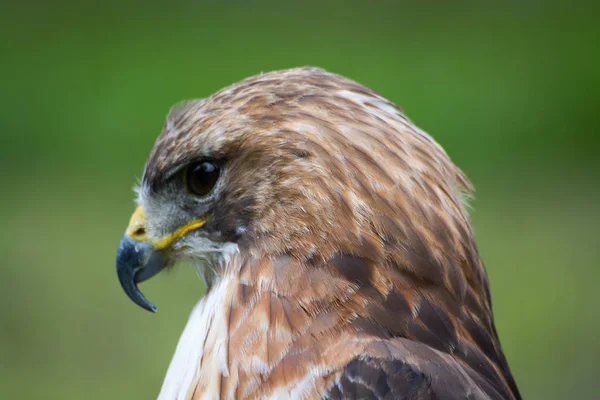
{"x": 201, "y": 177}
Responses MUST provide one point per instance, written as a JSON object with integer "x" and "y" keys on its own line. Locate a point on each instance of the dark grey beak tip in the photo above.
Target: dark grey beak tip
{"x": 137, "y": 262}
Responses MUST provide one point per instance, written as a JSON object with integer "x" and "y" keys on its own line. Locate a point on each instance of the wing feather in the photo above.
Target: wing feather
{"x": 403, "y": 369}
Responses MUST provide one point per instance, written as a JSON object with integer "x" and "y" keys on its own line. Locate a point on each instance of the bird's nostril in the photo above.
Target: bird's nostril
{"x": 140, "y": 231}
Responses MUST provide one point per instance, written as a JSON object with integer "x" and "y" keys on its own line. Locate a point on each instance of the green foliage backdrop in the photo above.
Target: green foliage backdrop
{"x": 512, "y": 92}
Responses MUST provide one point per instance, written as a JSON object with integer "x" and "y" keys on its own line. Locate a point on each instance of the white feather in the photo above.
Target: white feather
{"x": 208, "y": 314}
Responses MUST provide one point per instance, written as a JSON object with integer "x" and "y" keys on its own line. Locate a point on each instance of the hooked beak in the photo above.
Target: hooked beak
{"x": 139, "y": 258}
{"x": 137, "y": 262}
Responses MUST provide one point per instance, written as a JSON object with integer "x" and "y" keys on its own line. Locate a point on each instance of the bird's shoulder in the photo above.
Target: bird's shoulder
{"x": 403, "y": 369}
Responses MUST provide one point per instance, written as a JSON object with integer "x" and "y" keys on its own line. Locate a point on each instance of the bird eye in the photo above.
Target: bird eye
{"x": 201, "y": 177}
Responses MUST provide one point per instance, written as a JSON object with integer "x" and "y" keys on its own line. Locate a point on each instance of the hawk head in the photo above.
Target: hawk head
{"x": 316, "y": 190}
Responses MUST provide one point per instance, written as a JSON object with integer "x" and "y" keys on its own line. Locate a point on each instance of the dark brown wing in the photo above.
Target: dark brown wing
{"x": 373, "y": 378}
{"x": 410, "y": 370}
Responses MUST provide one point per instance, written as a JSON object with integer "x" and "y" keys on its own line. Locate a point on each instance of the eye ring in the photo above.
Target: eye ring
{"x": 201, "y": 177}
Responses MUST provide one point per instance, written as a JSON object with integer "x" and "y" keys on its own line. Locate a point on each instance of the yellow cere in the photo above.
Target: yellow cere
{"x": 137, "y": 230}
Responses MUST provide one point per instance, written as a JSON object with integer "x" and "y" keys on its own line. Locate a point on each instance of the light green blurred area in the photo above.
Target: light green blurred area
{"x": 512, "y": 92}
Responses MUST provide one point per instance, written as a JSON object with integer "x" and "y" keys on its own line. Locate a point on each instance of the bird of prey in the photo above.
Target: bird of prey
{"x": 334, "y": 240}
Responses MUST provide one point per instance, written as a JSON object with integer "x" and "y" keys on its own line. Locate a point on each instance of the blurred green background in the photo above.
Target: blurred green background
{"x": 512, "y": 92}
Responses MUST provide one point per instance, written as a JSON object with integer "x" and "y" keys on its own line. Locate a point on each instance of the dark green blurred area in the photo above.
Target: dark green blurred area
{"x": 512, "y": 92}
